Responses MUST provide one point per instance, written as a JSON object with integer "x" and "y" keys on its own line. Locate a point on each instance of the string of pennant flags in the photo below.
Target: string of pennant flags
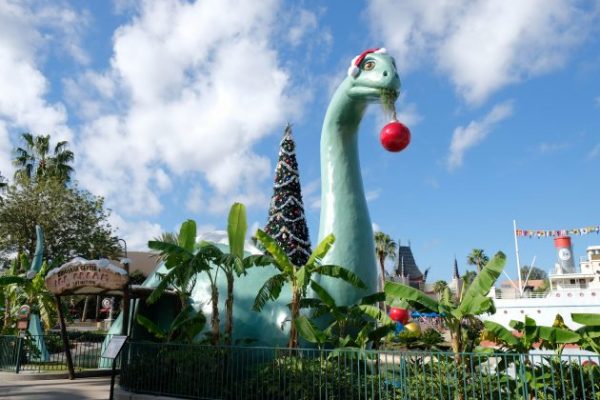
{"x": 558, "y": 232}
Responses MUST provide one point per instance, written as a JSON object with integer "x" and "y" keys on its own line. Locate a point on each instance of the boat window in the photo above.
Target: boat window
{"x": 572, "y": 281}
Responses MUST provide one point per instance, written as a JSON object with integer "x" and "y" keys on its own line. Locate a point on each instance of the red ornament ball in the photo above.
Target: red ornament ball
{"x": 395, "y": 136}
{"x": 399, "y": 315}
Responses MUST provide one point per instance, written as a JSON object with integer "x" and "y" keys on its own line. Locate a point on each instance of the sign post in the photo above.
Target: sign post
{"x": 112, "y": 351}
{"x": 22, "y": 325}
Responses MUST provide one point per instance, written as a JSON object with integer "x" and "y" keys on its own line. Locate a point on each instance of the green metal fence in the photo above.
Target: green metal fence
{"x": 45, "y": 353}
{"x": 204, "y": 372}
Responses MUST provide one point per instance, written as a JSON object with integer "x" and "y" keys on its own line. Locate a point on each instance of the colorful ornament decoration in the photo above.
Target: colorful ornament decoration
{"x": 395, "y": 136}
{"x": 287, "y": 222}
{"x": 413, "y": 327}
{"x": 399, "y": 315}
{"x": 539, "y": 233}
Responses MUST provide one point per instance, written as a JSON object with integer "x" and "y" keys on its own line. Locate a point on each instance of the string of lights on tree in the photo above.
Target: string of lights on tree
{"x": 287, "y": 222}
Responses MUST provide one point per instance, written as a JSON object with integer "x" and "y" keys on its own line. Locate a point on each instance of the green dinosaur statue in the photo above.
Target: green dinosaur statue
{"x": 344, "y": 211}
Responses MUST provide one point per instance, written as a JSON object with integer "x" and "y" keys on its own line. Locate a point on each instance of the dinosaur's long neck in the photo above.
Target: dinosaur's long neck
{"x": 344, "y": 209}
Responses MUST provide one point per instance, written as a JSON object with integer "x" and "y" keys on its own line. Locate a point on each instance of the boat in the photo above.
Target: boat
{"x": 570, "y": 289}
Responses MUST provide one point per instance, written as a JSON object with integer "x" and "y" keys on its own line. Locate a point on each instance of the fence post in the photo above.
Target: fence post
{"x": 18, "y": 355}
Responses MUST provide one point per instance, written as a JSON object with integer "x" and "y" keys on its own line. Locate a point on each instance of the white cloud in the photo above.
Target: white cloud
{"x": 303, "y": 23}
{"x": 195, "y": 201}
{"x": 594, "y": 152}
{"x": 372, "y": 195}
{"x": 481, "y": 45}
{"x": 136, "y": 233}
{"x": 27, "y": 31}
{"x": 199, "y": 86}
{"x": 467, "y": 137}
{"x": 547, "y": 148}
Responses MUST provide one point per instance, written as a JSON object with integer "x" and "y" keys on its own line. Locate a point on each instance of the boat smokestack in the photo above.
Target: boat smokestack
{"x": 564, "y": 252}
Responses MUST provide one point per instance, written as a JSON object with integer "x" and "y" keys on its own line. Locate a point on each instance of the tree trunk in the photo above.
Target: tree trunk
{"x": 85, "y": 307}
{"x": 214, "y": 320}
{"x": 382, "y": 281}
{"x": 293, "y": 342}
{"x": 457, "y": 348}
{"x": 229, "y": 311}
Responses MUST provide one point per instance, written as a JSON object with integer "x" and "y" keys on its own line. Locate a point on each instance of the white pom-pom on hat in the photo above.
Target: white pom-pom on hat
{"x": 354, "y": 68}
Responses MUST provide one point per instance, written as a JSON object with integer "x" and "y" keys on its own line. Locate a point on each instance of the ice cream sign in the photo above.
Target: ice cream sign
{"x": 81, "y": 276}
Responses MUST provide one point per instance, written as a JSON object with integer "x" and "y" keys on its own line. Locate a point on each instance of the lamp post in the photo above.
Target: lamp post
{"x": 125, "y": 308}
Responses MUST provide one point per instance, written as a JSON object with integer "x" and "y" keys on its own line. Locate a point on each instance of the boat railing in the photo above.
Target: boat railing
{"x": 514, "y": 294}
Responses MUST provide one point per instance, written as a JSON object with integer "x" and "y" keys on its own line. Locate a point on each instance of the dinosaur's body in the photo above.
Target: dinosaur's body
{"x": 344, "y": 213}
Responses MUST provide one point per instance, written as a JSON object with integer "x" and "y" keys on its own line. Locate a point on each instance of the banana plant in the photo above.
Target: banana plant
{"x": 549, "y": 337}
{"x": 184, "y": 263}
{"x": 298, "y": 277}
{"x": 589, "y": 332}
{"x": 184, "y": 328}
{"x": 474, "y": 301}
{"x": 233, "y": 263}
{"x": 353, "y": 326}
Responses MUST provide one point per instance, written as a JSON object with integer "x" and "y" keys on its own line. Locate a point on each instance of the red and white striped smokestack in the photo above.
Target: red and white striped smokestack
{"x": 564, "y": 252}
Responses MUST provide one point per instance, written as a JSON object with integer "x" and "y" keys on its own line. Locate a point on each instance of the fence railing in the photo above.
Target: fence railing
{"x": 204, "y": 372}
{"x": 46, "y": 353}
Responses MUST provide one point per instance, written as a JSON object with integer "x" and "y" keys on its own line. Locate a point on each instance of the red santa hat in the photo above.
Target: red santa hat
{"x": 354, "y": 68}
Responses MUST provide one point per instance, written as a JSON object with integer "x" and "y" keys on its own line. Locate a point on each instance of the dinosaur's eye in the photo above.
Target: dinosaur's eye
{"x": 369, "y": 65}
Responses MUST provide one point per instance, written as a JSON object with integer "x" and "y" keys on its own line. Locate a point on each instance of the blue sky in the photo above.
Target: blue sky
{"x": 175, "y": 110}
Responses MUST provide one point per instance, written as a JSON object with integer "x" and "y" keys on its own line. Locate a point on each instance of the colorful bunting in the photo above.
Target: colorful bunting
{"x": 560, "y": 232}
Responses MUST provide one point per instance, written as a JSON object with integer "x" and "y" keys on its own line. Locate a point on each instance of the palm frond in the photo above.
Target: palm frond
{"x": 270, "y": 290}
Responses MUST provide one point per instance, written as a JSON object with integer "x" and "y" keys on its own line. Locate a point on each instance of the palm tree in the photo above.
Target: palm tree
{"x": 34, "y": 161}
{"x": 298, "y": 277}
{"x": 478, "y": 258}
{"x": 385, "y": 247}
{"x": 439, "y": 287}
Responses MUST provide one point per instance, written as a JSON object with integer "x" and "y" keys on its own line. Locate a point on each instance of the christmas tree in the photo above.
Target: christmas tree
{"x": 287, "y": 223}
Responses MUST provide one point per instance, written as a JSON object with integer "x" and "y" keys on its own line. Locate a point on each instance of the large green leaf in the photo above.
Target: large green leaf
{"x": 282, "y": 261}
{"x": 12, "y": 280}
{"x": 321, "y": 250}
{"x": 187, "y": 235}
{"x": 482, "y": 284}
{"x": 166, "y": 280}
{"x": 309, "y": 331}
{"x": 500, "y": 332}
{"x": 395, "y": 292}
{"x": 270, "y": 290}
{"x": 373, "y": 298}
{"x": 586, "y": 319}
{"x": 375, "y": 313}
{"x": 323, "y": 294}
{"x": 151, "y": 327}
{"x": 342, "y": 273}
{"x": 236, "y": 229}
{"x": 557, "y": 336}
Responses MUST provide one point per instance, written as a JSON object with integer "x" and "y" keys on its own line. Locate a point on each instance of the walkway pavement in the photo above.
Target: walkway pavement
{"x": 56, "y": 389}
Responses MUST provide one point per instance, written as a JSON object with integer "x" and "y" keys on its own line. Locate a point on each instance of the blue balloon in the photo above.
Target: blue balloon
{"x": 399, "y": 327}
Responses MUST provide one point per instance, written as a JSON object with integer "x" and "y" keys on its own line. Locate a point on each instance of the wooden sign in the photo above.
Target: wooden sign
{"x": 114, "y": 347}
{"x": 81, "y": 276}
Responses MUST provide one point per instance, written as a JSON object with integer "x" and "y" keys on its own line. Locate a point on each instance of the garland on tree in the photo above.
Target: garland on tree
{"x": 287, "y": 222}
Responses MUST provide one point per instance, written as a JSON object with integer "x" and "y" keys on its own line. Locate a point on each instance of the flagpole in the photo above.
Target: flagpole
{"x": 517, "y": 255}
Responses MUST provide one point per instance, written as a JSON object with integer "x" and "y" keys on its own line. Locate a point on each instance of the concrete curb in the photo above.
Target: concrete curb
{"x": 40, "y": 376}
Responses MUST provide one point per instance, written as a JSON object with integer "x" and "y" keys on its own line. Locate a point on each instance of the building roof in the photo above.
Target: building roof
{"x": 406, "y": 265}
{"x": 143, "y": 261}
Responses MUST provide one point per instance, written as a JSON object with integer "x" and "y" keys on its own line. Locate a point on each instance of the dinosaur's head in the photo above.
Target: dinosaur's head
{"x": 372, "y": 75}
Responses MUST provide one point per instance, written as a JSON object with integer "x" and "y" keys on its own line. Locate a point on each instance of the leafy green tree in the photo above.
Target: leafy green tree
{"x": 74, "y": 221}
{"x": 35, "y": 162}
{"x": 477, "y": 258}
{"x": 3, "y": 183}
{"x": 298, "y": 277}
{"x": 536, "y": 273}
